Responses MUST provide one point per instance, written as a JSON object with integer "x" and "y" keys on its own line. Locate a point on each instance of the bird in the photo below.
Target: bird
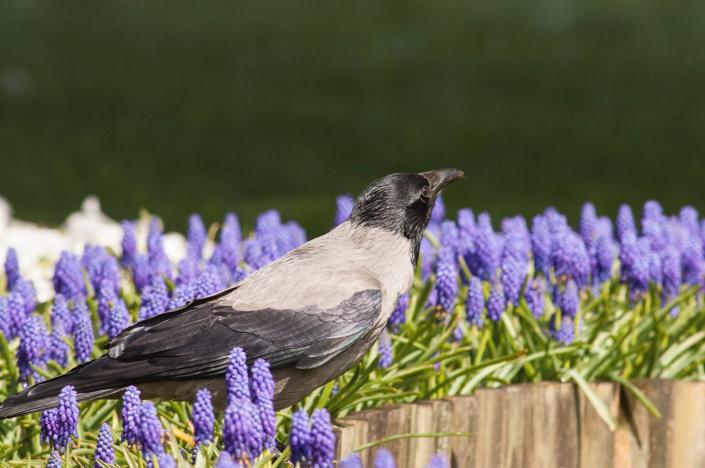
{"x": 312, "y": 314}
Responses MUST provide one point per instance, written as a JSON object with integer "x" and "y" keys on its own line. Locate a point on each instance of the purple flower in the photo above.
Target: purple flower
{"x": 230, "y": 237}
{"x": 570, "y": 258}
{"x": 300, "y": 437}
{"x": 12, "y": 268}
{"x": 541, "y": 244}
{"x": 129, "y": 243}
{"x": 671, "y": 272}
{"x": 534, "y": 296}
{"x": 60, "y": 315}
{"x": 446, "y": 279}
{"x": 562, "y": 333}
{"x": 54, "y": 460}
{"x": 588, "y": 219}
{"x": 496, "y": 303}
{"x": 142, "y": 272}
{"x": 322, "y": 440}
{"x": 66, "y": 415}
{"x": 475, "y": 302}
{"x": 605, "y": 255}
{"x": 155, "y": 299}
{"x": 16, "y": 313}
{"x": 5, "y": 326}
{"x": 130, "y": 415}
{"x": 196, "y": 236}
{"x": 351, "y": 461}
{"x": 513, "y": 269}
{"x": 226, "y": 461}
{"x": 398, "y": 316}
{"x": 68, "y": 277}
{"x": 208, "y": 283}
{"x": 149, "y": 429}
{"x": 119, "y": 318}
{"x": 104, "y": 451}
{"x": 236, "y": 380}
{"x": 101, "y": 267}
{"x": 25, "y": 289}
{"x": 570, "y": 300}
{"x": 427, "y": 254}
{"x": 48, "y": 427}
{"x": 181, "y": 296}
{"x": 692, "y": 263}
{"x": 262, "y": 391}
{"x": 688, "y": 218}
{"x": 155, "y": 249}
{"x": 438, "y": 214}
{"x": 384, "y": 459}
{"x": 83, "y": 338}
{"x": 241, "y": 435}
{"x": 166, "y": 461}
{"x": 384, "y": 349}
{"x": 438, "y": 461}
{"x": 343, "y": 207}
{"x": 450, "y": 236}
{"x": 484, "y": 261}
{"x": 57, "y": 349}
{"x": 31, "y": 352}
{"x": 202, "y": 417}
{"x": 625, "y": 223}
{"x": 655, "y": 269}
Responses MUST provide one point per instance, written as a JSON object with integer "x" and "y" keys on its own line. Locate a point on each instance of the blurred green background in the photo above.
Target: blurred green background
{"x": 245, "y": 105}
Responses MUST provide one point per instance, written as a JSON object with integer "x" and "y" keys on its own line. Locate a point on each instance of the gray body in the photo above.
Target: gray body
{"x": 323, "y": 272}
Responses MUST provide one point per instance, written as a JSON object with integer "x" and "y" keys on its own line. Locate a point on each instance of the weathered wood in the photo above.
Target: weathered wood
{"x": 463, "y": 418}
{"x": 543, "y": 425}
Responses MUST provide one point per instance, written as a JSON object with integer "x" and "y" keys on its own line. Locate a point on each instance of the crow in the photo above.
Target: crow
{"x": 312, "y": 314}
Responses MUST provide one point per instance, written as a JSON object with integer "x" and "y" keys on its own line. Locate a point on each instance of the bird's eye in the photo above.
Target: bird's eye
{"x": 425, "y": 194}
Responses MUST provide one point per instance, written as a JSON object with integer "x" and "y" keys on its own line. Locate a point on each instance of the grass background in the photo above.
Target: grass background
{"x": 245, "y": 105}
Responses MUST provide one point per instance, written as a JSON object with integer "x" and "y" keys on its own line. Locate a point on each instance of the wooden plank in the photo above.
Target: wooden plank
{"x": 420, "y": 449}
{"x": 686, "y": 428}
{"x": 397, "y": 422}
{"x": 463, "y": 419}
{"x": 596, "y": 442}
{"x": 441, "y": 423}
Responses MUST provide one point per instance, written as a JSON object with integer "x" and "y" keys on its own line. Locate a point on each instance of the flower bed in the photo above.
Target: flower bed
{"x": 529, "y": 303}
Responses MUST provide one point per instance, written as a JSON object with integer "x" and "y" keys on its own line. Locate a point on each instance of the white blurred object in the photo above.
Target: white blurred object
{"x": 39, "y": 247}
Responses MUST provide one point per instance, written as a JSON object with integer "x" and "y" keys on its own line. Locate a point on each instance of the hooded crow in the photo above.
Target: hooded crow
{"x": 312, "y": 313}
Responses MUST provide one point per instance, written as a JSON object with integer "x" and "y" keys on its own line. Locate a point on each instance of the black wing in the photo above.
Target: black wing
{"x": 195, "y": 342}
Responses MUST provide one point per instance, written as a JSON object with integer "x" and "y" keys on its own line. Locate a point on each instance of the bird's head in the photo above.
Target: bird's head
{"x": 402, "y": 203}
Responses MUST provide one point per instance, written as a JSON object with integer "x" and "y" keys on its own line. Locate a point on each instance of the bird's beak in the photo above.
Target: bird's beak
{"x": 441, "y": 178}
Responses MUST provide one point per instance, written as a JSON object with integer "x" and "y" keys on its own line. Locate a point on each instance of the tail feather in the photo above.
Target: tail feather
{"x": 44, "y": 395}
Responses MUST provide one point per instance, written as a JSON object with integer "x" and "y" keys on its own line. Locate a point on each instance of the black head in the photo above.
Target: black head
{"x": 402, "y": 203}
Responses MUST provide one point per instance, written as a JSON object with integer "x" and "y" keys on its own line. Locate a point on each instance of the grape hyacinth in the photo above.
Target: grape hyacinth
{"x": 496, "y": 304}
{"x": 384, "y": 459}
{"x": 351, "y": 461}
{"x": 181, "y": 296}
{"x": 384, "y": 349}
{"x": 128, "y": 244}
{"x": 343, "y": 207}
{"x": 208, "y": 283}
{"x": 262, "y": 391}
{"x": 446, "y": 279}
{"x": 155, "y": 299}
{"x": 166, "y": 461}
{"x": 562, "y": 333}
{"x": 149, "y": 429}
{"x": 54, "y": 460}
{"x": 155, "y": 249}
{"x": 203, "y": 418}
{"x": 83, "y": 338}
{"x": 230, "y": 237}
{"x": 625, "y": 223}
{"x": 68, "y": 277}
{"x": 236, "y": 379}
{"x": 12, "y": 268}
{"x": 31, "y": 352}
{"x": 570, "y": 300}
{"x": 195, "y": 236}
{"x": 25, "y": 290}
{"x": 438, "y": 461}
{"x": 398, "y": 316}
{"x": 57, "y": 349}
{"x": 119, "y": 318}
{"x": 58, "y": 425}
{"x": 300, "y": 437}
{"x": 129, "y": 414}
{"x": 241, "y": 436}
{"x": 104, "y": 451}
{"x": 61, "y": 317}
{"x": 16, "y": 314}
{"x": 541, "y": 245}
{"x": 534, "y": 296}
{"x": 475, "y": 302}
{"x": 322, "y": 440}
{"x": 226, "y": 461}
